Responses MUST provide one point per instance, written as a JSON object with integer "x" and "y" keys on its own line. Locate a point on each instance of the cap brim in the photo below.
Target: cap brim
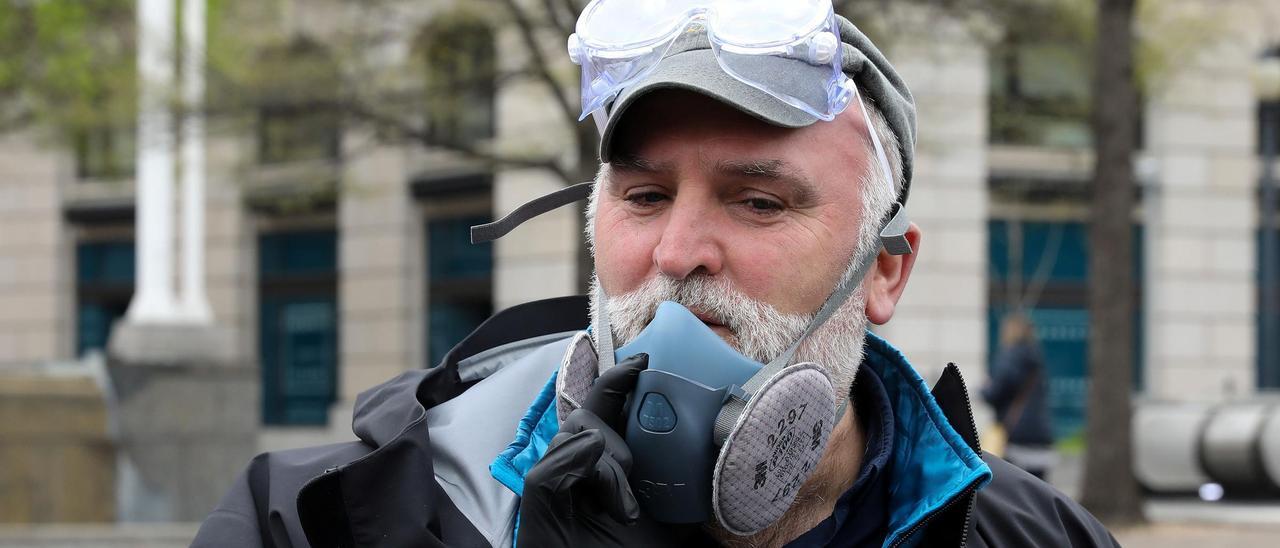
{"x": 698, "y": 71}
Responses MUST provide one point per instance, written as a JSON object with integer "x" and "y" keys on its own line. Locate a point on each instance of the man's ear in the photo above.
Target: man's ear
{"x": 888, "y": 278}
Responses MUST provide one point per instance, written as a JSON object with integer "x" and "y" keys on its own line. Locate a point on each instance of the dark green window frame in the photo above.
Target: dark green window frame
{"x": 459, "y": 283}
{"x": 298, "y": 287}
{"x": 104, "y": 288}
{"x": 106, "y": 152}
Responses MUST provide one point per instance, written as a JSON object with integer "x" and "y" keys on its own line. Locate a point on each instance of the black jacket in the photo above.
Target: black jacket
{"x": 383, "y": 490}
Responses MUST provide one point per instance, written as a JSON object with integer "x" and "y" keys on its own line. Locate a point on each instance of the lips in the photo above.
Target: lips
{"x": 706, "y": 318}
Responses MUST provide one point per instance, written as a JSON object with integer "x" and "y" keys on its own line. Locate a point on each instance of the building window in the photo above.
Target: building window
{"x": 291, "y": 133}
{"x": 298, "y": 118}
{"x": 1268, "y": 278}
{"x": 1268, "y": 115}
{"x": 1041, "y": 268}
{"x": 459, "y": 283}
{"x": 1040, "y": 94}
{"x": 105, "y": 152}
{"x": 461, "y": 65}
{"x": 1268, "y": 314}
{"x": 298, "y": 326}
{"x": 104, "y": 287}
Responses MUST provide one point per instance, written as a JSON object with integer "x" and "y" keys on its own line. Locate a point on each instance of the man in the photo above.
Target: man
{"x": 771, "y": 214}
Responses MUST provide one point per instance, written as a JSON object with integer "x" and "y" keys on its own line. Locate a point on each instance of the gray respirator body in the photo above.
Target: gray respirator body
{"x": 683, "y": 472}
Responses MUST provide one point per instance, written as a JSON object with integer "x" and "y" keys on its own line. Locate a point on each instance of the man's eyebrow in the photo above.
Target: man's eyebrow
{"x": 634, "y": 163}
{"x": 803, "y": 189}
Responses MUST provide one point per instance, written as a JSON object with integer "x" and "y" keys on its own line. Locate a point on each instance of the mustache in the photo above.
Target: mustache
{"x": 703, "y": 296}
{"x": 710, "y": 298}
{"x": 757, "y": 329}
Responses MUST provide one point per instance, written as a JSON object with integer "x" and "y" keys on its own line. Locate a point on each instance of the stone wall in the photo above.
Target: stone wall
{"x": 1201, "y": 134}
{"x": 34, "y": 306}
{"x": 380, "y": 276}
{"x": 58, "y": 463}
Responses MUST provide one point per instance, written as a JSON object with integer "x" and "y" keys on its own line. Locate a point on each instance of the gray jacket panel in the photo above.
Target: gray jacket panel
{"x": 469, "y": 431}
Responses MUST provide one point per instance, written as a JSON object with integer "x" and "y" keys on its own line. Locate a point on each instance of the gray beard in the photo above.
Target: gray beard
{"x": 758, "y": 330}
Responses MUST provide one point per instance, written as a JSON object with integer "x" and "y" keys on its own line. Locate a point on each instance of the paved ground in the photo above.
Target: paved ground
{"x": 1190, "y": 535}
{"x": 1188, "y": 523}
{"x": 167, "y": 535}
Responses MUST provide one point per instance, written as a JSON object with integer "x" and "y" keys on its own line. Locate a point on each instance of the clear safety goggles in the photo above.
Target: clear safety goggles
{"x": 619, "y": 42}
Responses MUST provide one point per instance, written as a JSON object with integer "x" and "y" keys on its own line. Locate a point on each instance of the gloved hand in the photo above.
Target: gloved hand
{"x": 578, "y": 494}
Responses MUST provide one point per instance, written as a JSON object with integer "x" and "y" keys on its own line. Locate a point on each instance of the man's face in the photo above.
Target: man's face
{"x": 698, "y": 189}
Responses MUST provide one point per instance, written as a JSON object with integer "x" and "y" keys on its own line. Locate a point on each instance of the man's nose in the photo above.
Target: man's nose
{"x": 689, "y": 241}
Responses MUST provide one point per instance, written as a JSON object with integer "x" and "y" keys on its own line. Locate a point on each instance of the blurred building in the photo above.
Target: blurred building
{"x": 338, "y": 258}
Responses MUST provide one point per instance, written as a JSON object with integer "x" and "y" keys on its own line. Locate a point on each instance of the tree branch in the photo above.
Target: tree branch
{"x": 420, "y": 135}
{"x": 554, "y": 17}
{"x": 540, "y": 66}
{"x": 573, "y": 9}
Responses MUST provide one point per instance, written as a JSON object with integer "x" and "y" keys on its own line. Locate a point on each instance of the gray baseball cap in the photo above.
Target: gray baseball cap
{"x": 690, "y": 65}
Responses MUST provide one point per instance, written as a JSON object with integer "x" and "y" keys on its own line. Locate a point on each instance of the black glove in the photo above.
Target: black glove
{"x": 578, "y": 494}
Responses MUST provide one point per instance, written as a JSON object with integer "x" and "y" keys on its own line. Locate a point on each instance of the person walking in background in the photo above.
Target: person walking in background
{"x": 1019, "y": 394}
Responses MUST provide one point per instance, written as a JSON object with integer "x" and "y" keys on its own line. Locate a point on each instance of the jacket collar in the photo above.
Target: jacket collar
{"x": 936, "y": 468}
{"x": 352, "y": 504}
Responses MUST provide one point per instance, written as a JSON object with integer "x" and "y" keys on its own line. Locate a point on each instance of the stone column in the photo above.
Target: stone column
{"x": 942, "y": 315}
{"x": 1201, "y": 134}
{"x": 537, "y": 260}
{"x": 380, "y": 275}
{"x": 187, "y": 401}
{"x": 193, "y": 302}
{"x": 154, "y": 300}
{"x": 36, "y": 287}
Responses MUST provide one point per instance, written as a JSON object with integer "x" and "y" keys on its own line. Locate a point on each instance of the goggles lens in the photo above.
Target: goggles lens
{"x": 630, "y": 23}
{"x": 790, "y": 50}
{"x": 762, "y": 22}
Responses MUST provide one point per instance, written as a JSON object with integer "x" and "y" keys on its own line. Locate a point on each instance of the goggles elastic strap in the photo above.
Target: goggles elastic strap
{"x": 875, "y": 139}
{"x": 601, "y": 118}
{"x": 893, "y": 239}
{"x": 604, "y": 333}
{"x": 489, "y": 232}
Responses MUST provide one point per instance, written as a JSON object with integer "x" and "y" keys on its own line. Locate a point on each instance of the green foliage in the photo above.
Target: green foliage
{"x": 1172, "y": 31}
{"x": 71, "y": 65}
{"x": 68, "y": 62}
{"x": 1041, "y": 74}
{"x": 459, "y": 56}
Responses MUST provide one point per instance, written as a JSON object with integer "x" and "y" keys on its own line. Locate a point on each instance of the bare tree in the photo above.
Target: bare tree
{"x": 1110, "y": 488}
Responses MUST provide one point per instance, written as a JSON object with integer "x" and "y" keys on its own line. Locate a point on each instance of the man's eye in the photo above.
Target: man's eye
{"x": 645, "y": 199}
{"x": 762, "y": 205}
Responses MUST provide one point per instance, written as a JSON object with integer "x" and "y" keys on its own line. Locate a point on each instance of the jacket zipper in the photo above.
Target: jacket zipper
{"x": 966, "y": 494}
{"x": 968, "y": 408}
{"x": 964, "y": 536}
{"x": 977, "y": 447}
